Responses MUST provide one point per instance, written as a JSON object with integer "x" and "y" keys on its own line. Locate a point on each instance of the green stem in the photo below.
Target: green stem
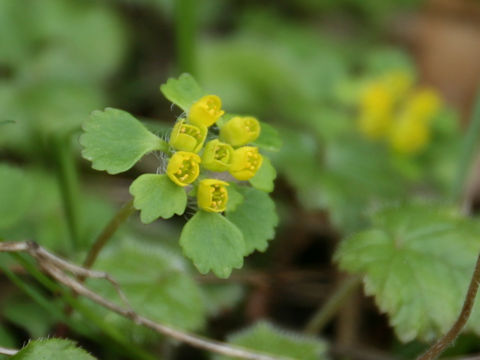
{"x": 120, "y": 217}
{"x": 185, "y": 28}
{"x": 68, "y": 180}
{"x": 468, "y": 148}
{"x": 135, "y": 351}
{"x": 326, "y": 312}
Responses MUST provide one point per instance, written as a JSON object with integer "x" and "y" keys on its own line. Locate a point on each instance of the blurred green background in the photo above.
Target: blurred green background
{"x": 301, "y": 66}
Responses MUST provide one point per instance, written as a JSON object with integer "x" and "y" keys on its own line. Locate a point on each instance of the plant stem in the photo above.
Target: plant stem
{"x": 68, "y": 180}
{"x": 135, "y": 351}
{"x": 120, "y": 217}
{"x": 185, "y": 27}
{"x": 447, "y": 339}
{"x": 326, "y": 312}
{"x": 467, "y": 152}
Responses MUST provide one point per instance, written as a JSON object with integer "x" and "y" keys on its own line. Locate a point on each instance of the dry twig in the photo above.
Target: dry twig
{"x": 58, "y": 268}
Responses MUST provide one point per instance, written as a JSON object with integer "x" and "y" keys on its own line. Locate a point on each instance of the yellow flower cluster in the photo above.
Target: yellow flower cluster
{"x": 227, "y": 153}
{"x": 392, "y": 109}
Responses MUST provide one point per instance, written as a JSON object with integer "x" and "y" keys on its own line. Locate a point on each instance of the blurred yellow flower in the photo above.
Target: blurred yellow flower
{"x": 399, "y": 83}
{"x": 188, "y": 137}
{"x": 217, "y": 156}
{"x": 245, "y": 163}
{"x": 206, "y": 111}
{"x": 183, "y": 168}
{"x": 409, "y": 135}
{"x": 212, "y": 195}
{"x": 376, "y": 110}
{"x": 424, "y": 104}
{"x": 240, "y": 131}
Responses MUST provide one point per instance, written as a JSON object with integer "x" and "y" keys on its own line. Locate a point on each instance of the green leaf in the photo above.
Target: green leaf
{"x": 114, "y": 140}
{"x": 52, "y": 349}
{"x": 157, "y": 196}
{"x": 256, "y": 218}
{"x": 267, "y": 338}
{"x": 417, "y": 261}
{"x": 269, "y": 138}
{"x": 156, "y": 283}
{"x": 235, "y": 197}
{"x": 213, "y": 243}
{"x": 16, "y": 193}
{"x": 265, "y": 176}
{"x": 183, "y": 91}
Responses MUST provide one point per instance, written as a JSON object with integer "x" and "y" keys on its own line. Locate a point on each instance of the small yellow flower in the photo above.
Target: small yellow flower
{"x": 245, "y": 162}
{"x": 240, "y": 131}
{"x": 409, "y": 135}
{"x": 212, "y": 195}
{"x": 206, "y": 111}
{"x": 424, "y": 104}
{"x": 376, "y": 111}
{"x": 188, "y": 137}
{"x": 217, "y": 156}
{"x": 183, "y": 168}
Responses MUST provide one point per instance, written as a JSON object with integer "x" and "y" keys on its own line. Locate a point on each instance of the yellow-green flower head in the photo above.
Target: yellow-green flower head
{"x": 188, "y": 137}
{"x": 409, "y": 135}
{"x": 212, "y": 195}
{"x": 183, "y": 168}
{"x": 217, "y": 156}
{"x": 245, "y": 162}
{"x": 206, "y": 111}
{"x": 424, "y": 104}
{"x": 240, "y": 130}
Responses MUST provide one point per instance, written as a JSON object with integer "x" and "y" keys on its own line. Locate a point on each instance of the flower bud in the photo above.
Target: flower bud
{"x": 245, "y": 163}
{"x": 239, "y": 131}
{"x": 206, "y": 111}
{"x": 183, "y": 168}
{"x": 212, "y": 195}
{"x": 217, "y": 156}
{"x": 188, "y": 137}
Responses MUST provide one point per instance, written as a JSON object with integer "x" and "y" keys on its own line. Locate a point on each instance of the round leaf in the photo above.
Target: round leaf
{"x": 157, "y": 196}
{"x": 213, "y": 243}
{"x": 256, "y": 218}
{"x": 52, "y": 349}
{"x": 114, "y": 140}
{"x": 263, "y": 179}
{"x": 183, "y": 91}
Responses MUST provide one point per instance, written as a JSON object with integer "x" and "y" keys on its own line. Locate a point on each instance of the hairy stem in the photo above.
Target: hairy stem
{"x": 467, "y": 153}
{"x": 8, "y": 352}
{"x": 120, "y": 217}
{"x": 328, "y": 310}
{"x": 446, "y": 340}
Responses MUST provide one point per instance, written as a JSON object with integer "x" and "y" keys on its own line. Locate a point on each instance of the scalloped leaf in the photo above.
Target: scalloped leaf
{"x": 16, "y": 195}
{"x": 52, "y": 349}
{"x": 269, "y": 339}
{"x": 417, "y": 261}
{"x": 265, "y": 176}
{"x": 113, "y": 140}
{"x": 235, "y": 197}
{"x": 269, "y": 138}
{"x": 213, "y": 243}
{"x": 256, "y": 218}
{"x": 183, "y": 91}
{"x": 157, "y": 196}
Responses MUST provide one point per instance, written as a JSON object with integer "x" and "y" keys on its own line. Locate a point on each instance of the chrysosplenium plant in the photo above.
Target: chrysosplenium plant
{"x": 211, "y": 163}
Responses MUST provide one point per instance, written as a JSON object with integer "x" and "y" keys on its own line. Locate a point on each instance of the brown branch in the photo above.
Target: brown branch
{"x": 57, "y": 268}
{"x": 436, "y": 349}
